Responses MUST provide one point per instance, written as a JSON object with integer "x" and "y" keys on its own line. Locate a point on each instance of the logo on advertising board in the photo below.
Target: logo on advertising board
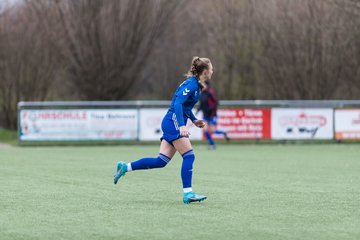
{"x": 302, "y": 123}
{"x": 356, "y": 120}
{"x": 32, "y": 120}
{"x": 245, "y": 123}
{"x": 347, "y": 124}
{"x": 78, "y": 124}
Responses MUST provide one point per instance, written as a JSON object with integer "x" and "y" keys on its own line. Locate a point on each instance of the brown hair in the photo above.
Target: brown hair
{"x": 198, "y": 65}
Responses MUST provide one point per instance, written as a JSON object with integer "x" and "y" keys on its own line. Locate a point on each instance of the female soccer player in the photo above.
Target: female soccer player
{"x": 175, "y": 134}
{"x": 209, "y": 105}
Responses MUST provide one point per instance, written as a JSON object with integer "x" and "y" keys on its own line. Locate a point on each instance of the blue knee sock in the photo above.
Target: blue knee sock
{"x": 148, "y": 163}
{"x": 187, "y": 168}
{"x": 209, "y": 138}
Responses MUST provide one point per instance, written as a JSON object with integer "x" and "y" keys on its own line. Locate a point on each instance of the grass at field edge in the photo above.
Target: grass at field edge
{"x": 8, "y": 136}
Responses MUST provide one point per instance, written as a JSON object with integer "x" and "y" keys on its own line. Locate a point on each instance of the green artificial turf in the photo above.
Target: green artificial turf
{"x": 8, "y": 136}
{"x": 254, "y": 192}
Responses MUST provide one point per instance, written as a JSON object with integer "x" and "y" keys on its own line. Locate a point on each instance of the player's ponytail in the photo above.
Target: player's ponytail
{"x": 198, "y": 65}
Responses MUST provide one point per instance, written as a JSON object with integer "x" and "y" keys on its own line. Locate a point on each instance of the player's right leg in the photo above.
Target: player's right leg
{"x": 167, "y": 151}
{"x": 216, "y": 131}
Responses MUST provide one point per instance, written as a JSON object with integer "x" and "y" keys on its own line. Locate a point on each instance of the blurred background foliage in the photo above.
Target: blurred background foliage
{"x": 138, "y": 49}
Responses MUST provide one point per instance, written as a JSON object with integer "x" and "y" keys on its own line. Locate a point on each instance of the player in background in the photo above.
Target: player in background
{"x": 209, "y": 105}
{"x": 175, "y": 134}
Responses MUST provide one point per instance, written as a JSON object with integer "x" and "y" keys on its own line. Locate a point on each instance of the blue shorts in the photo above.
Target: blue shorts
{"x": 170, "y": 128}
{"x": 211, "y": 120}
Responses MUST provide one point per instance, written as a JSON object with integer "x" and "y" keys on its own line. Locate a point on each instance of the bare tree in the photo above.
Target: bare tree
{"x": 303, "y": 50}
{"x": 185, "y": 37}
{"x": 351, "y": 10}
{"x": 107, "y": 43}
{"x": 27, "y": 61}
{"x": 231, "y": 30}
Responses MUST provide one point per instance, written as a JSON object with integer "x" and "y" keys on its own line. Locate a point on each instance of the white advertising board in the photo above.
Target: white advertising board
{"x": 347, "y": 124}
{"x": 296, "y": 123}
{"x": 150, "y": 125}
{"x": 78, "y": 124}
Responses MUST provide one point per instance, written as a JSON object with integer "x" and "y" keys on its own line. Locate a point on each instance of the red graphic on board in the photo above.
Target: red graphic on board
{"x": 245, "y": 123}
{"x": 303, "y": 119}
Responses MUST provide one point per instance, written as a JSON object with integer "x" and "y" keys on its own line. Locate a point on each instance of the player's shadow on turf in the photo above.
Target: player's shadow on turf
{"x": 162, "y": 203}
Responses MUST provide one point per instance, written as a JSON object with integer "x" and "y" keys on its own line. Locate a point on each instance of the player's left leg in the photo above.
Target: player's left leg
{"x": 208, "y": 132}
{"x": 167, "y": 151}
{"x": 183, "y": 146}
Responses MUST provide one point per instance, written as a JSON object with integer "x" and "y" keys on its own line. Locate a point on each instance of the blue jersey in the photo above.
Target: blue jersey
{"x": 185, "y": 97}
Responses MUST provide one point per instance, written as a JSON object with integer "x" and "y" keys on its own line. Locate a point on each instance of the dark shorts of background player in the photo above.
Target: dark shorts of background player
{"x": 211, "y": 120}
